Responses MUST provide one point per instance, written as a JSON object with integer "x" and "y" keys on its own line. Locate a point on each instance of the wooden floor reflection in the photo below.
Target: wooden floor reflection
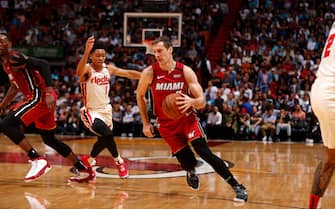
{"x": 277, "y": 175}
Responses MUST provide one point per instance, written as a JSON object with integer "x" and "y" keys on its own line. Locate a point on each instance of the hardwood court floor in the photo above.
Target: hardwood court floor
{"x": 278, "y": 176}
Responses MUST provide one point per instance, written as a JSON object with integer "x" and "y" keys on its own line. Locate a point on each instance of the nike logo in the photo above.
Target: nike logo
{"x": 160, "y": 77}
{"x": 191, "y": 134}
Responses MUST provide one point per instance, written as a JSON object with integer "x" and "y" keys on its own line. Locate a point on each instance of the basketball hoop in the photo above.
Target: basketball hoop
{"x": 148, "y": 47}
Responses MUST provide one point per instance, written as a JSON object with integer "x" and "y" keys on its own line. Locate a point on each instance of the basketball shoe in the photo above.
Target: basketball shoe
{"x": 122, "y": 169}
{"x": 39, "y": 166}
{"x": 192, "y": 179}
{"x": 241, "y": 193}
{"x": 84, "y": 176}
{"x": 88, "y": 160}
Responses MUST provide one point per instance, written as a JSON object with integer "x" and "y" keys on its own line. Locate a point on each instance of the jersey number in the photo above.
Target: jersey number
{"x": 328, "y": 45}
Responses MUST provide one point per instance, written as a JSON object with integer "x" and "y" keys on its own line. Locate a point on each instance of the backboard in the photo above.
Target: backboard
{"x": 139, "y": 28}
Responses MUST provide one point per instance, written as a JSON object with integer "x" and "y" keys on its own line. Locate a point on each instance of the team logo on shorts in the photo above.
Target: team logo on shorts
{"x": 191, "y": 134}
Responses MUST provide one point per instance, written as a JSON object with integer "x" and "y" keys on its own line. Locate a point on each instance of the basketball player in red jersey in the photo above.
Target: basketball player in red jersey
{"x": 32, "y": 77}
{"x": 168, "y": 76}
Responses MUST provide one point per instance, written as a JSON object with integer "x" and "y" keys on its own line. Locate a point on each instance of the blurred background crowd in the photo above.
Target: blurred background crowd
{"x": 255, "y": 59}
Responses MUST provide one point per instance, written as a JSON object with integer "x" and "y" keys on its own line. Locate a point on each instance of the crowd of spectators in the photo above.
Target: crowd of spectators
{"x": 259, "y": 89}
{"x": 261, "y": 85}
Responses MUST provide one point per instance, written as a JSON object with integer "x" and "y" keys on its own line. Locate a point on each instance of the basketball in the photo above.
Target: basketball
{"x": 170, "y": 108}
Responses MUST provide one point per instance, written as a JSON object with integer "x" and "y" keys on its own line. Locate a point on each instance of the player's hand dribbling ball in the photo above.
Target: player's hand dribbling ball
{"x": 170, "y": 107}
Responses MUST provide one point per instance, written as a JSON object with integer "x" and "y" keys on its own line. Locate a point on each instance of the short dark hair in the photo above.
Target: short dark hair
{"x": 166, "y": 41}
{"x": 98, "y": 45}
{"x": 5, "y": 34}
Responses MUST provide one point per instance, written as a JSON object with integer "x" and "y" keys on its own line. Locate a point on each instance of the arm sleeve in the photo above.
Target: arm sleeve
{"x": 43, "y": 68}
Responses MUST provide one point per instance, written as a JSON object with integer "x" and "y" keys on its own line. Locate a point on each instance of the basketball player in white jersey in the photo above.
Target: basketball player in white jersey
{"x": 97, "y": 111}
{"x": 323, "y": 105}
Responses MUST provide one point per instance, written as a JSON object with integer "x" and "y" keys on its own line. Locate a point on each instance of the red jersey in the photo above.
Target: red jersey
{"x": 163, "y": 84}
{"x": 26, "y": 80}
{"x": 176, "y": 132}
{"x": 33, "y": 109}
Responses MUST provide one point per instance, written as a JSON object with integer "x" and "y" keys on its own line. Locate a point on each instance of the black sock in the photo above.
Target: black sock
{"x": 232, "y": 181}
{"x": 32, "y": 154}
{"x": 80, "y": 166}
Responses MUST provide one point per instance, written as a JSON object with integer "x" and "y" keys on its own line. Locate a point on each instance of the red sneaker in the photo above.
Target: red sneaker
{"x": 88, "y": 160}
{"x": 84, "y": 176}
{"x": 122, "y": 168}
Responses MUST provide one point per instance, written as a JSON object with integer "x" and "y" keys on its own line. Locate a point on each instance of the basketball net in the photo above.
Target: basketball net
{"x": 148, "y": 47}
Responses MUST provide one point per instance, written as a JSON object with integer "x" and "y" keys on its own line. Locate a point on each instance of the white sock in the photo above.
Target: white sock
{"x": 118, "y": 160}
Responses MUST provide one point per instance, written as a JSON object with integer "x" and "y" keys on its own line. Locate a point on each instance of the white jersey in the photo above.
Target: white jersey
{"x": 327, "y": 64}
{"x": 96, "y": 88}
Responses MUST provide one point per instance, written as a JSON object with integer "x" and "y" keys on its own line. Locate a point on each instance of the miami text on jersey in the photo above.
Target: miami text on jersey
{"x": 169, "y": 86}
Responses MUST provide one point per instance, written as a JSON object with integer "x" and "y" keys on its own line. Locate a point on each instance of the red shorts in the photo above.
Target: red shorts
{"x": 35, "y": 110}
{"x": 178, "y": 133}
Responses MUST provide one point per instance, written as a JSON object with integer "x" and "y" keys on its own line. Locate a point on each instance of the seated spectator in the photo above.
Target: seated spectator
{"x": 268, "y": 127}
{"x": 264, "y": 78}
{"x": 306, "y": 103}
{"x": 298, "y": 113}
{"x": 231, "y": 100}
{"x": 228, "y": 119}
{"x": 117, "y": 119}
{"x": 73, "y": 125}
{"x": 284, "y": 123}
{"x": 211, "y": 91}
{"x": 242, "y": 127}
{"x": 203, "y": 115}
{"x": 255, "y": 122}
{"x": 299, "y": 122}
{"x": 292, "y": 101}
{"x": 219, "y": 100}
{"x": 299, "y": 125}
{"x": 128, "y": 122}
{"x": 138, "y": 125}
{"x": 214, "y": 122}
{"x": 246, "y": 106}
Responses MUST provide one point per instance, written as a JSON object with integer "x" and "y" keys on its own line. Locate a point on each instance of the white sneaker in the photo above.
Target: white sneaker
{"x": 39, "y": 166}
{"x": 309, "y": 141}
{"x": 264, "y": 139}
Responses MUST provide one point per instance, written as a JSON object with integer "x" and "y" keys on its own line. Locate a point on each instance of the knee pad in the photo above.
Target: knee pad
{"x": 11, "y": 120}
{"x": 101, "y": 128}
{"x": 186, "y": 158}
{"x": 2, "y": 126}
{"x": 10, "y": 126}
{"x": 50, "y": 139}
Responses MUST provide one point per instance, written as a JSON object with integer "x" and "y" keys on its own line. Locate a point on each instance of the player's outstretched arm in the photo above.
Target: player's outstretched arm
{"x": 131, "y": 74}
